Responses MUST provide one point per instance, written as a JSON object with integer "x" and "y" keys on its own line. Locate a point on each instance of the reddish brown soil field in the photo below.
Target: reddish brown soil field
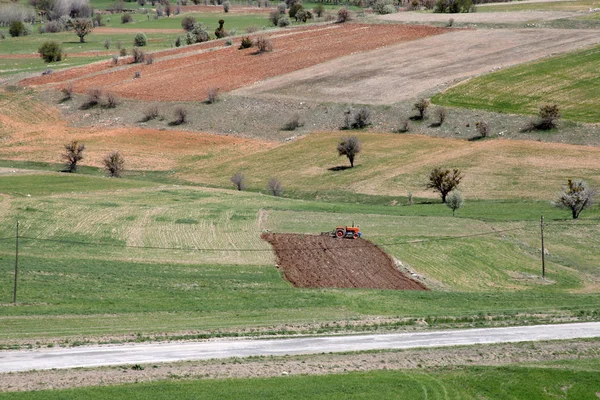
{"x": 190, "y": 75}
{"x": 314, "y": 261}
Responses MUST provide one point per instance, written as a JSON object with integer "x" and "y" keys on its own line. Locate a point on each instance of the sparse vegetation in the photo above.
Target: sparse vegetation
{"x": 139, "y": 56}
{"x": 72, "y": 155}
{"x": 212, "y": 95}
{"x": 220, "y": 32}
{"x": 246, "y": 43}
{"x": 152, "y": 112}
{"x": 441, "y": 114}
{"x": 576, "y": 197}
{"x": 343, "y": 15}
{"x": 114, "y": 164}
{"x": 93, "y": 98}
{"x": 483, "y": 129}
{"x": 67, "y": 92}
{"x": 126, "y": 18}
{"x": 349, "y": 147}
{"x": 444, "y": 181}
{"x": 358, "y": 119}
{"x": 188, "y": 23}
{"x": 111, "y": 100}
{"x": 549, "y": 114}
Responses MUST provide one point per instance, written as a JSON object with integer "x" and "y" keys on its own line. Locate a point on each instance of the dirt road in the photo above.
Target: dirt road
{"x": 93, "y": 356}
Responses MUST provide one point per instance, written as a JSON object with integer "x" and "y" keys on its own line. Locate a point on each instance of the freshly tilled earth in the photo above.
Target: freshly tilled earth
{"x": 319, "y": 261}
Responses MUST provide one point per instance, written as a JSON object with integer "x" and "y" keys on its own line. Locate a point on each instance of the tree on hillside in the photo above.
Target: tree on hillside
{"x": 72, "y": 155}
{"x": 444, "y": 181}
{"x": 275, "y": 187}
{"x": 455, "y": 200}
{"x": 349, "y": 147}
{"x": 114, "y": 164}
{"x": 81, "y": 27}
{"x": 576, "y": 196}
{"x": 239, "y": 181}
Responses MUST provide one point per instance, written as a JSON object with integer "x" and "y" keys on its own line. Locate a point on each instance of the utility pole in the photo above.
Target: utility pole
{"x": 16, "y": 264}
{"x": 543, "y": 248}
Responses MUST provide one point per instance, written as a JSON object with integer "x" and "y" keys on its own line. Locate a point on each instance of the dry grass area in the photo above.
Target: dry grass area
{"x": 421, "y": 67}
{"x": 33, "y": 131}
{"x": 497, "y": 354}
{"x": 392, "y": 164}
{"x": 508, "y": 17}
{"x": 189, "y": 76}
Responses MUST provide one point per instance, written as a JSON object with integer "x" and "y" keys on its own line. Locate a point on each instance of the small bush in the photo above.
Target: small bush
{"x": 275, "y": 187}
{"x": 450, "y": 23}
{"x": 239, "y": 181}
{"x": 115, "y": 59}
{"x": 178, "y": 41}
{"x": 111, "y": 100}
{"x": 246, "y": 43}
{"x": 123, "y": 52}
{"x": 455, "y": 200}
{"x": 404, "y": 126}
{"x": 303, "y": 16}
{"x": 114, "y": 164}
{"x": 343, "y": 15}
{"x": 52, "y": 27}
{"x": 294, "y": 8}
{"x": 107, "y": 43}
{"x": 549, "y": 114}
{"x": 421, "y": 106}
{"x": 17, "y": 28}
{"x": 228, "y": 42}
{"x": 252, "y": 29}
{"x": 226, "y": 6}
{"x": 212, "y": 96}
{"x": 483, "y": 129}
{"x": 138, "y": 55}
{"x": 441, "y": 114}
{"x": 98, "y": 20}
{"x": 50, "y": 51}
{"x": 319, "y": 10}
{"x": 293, "y": 124}
{"x": 263, "y": 45}
{"x": 149, "y": 59}
{"x": 188, "y": 23}
{"x": 282, "y": 8}
{"x": 358, "y": 119}
{"x": 126, "y": 18}
{"x": 220, "y": 32}
{"x": 180, "y": 116}
{"x": 67, "y": 93}
{"x": 93, "y": 98}
{"x": 140, "y": 39}
{"x": 274, "y": 17}
{"x": 137, "y": 75}
{"x": 283, "y": 21}
{"x": 151, "y": 113}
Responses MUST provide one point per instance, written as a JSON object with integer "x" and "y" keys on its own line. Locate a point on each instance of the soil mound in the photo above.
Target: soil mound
{"x": 315, "y": 261}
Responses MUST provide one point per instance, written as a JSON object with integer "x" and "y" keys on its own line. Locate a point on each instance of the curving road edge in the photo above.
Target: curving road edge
{"x": 95, "y": 356}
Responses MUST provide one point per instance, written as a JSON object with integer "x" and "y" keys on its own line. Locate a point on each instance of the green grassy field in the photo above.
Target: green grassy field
{"x": 569, "y": 80}
{"x": 571, "y": 379}
{"x": 578, "y": 5}
{"x": 101, "y": 256}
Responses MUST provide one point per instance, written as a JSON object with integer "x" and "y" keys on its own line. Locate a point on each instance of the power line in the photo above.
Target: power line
{"x": 434, "y": 239}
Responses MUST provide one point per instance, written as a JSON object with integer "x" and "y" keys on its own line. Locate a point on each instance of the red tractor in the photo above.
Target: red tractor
{"x": 349, "y": 232}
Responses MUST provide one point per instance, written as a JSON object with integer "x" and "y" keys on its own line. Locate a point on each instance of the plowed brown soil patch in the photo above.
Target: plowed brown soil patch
{"x": 189, "y": 76}
{"x": 315, "y": 261}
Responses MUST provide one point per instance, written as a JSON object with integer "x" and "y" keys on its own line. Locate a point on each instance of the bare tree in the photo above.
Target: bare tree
{"x": 455, "y": 200}
{"x": 275, "y": 187}
{"x": 239, "y": 181}
{"x": 72, "y": 155}
{"x": 82, "y": 27}
{"x": 114, "y": 164}
{"x": 444, "y": 181}
{"x": 576, "y": 196}
{"x": 349, "y": 147}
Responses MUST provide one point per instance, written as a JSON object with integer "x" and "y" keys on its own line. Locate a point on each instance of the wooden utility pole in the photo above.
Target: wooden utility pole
{"x": 543, "y": 248}
{"x": 16, "y": 264}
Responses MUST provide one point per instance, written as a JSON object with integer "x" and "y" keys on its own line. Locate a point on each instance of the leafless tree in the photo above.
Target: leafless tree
{"x": 239, "y": 181}
{"x": 72, "y": 155}
{"x": 114, "y": 164}
{"x": 275, "y": 187}
{"x": 576, "y": 196}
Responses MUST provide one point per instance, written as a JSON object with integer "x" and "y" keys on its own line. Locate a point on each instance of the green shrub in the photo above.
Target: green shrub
{"x": 140, "y": 39}
{"x": 283, "y": 21}
{"x": 17, "y": 28}
{"x": 319, "y": 10}
{"x": 188, "y": 23}
{"x": 126, "y": 18}
{"x": 294, "y": 9}
{"x": 138, "y": 55}
{"x": 50, "y": 51}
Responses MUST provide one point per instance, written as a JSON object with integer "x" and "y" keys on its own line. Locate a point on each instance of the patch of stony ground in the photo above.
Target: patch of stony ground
{"x": 254, "y": 367}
